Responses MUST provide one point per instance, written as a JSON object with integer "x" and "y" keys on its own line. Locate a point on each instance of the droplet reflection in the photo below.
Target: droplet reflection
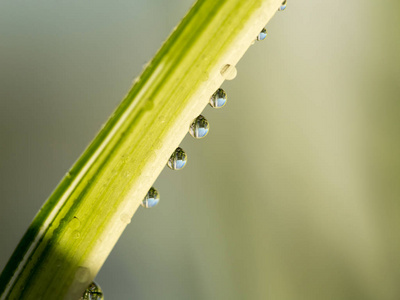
{"x": 177, "y": 160}
{"x": 199, "y": 128}
{"x": 262, "y": 35}
{"x": 218, "y": 99}
{"x": 151, "y": 199}
{"x": 93, "y": 292}
{"x": 283, "y": 6}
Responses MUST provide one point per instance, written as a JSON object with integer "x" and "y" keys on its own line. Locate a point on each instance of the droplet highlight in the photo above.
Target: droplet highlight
{"x": 283, "y": 6}
{"x": 199, "y": 127}
{"x": 177, "y": 160}
{"x": 93, "y": 292}
{"x": 229, "y": 72}
{"x": 151, "y": 199}
{"x": 218, "y": 99}
{"x": 262, "y": 35}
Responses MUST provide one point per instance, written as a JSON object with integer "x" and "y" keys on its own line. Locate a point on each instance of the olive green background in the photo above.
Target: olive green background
{"x": 295, "y": 192}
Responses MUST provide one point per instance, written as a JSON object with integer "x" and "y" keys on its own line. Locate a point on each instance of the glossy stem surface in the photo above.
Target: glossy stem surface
{"x": 77, "y": 227}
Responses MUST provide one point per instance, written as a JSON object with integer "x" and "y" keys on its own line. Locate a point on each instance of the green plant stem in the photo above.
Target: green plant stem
{"x": 78, "y": 226}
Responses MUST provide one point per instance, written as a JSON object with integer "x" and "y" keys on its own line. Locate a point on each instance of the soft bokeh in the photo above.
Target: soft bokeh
{"x": 295, "y": 193}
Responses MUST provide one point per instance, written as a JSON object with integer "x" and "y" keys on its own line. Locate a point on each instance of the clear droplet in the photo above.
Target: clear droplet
{"x": 177, "y": 160}
{"x": 152, "y": 198}
{"x": 82, "y": 274}
{"x": 125, "y": 218}
{"x": 283, "y": 6}
{"x": 262, "y": 35}
{"x": 93, "y": 292}
{"x": 199, "y": 128}
{"x": 76, "y": 234}
{"x": 218, "y": 99}
{"x": 229, "y": 72}
{"x": 74, "y": 223}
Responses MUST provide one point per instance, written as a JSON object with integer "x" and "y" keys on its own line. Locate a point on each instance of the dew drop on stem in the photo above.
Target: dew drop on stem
{"x": 151, "y": 199}
{"x": 125, "y": 218}
{"x": 199, "y": 127}
{"x": 262, "y": 35}
{"x": 218, "y": 99}
{"x": 93, "y": 292}
{"x": 177, "y": 160}
{"x": 229, "y": 72}
{"x": 283, "y": 6}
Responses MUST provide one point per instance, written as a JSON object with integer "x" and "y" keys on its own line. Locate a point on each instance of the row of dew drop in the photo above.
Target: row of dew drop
{"x": 198, "y": 129}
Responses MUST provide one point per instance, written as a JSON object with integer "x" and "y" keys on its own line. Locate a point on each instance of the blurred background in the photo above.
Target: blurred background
{"x": 294, "y": 194}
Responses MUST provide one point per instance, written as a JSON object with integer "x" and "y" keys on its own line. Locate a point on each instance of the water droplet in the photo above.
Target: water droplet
{"x": 152, "y": 198}
{"x": 229, "y": 72}
{"x": 76, "y": 234}
{"x": 262, "y": 35}
{"x": 283, "y": 6}
{"x": 218, "y": 99}
{"x": 74, "y": 223}
{"x": 199, "y": 128}
{"x": 82, "y": 274}
{"x": 125, "y": 218}
{"x": 177, "y": 160}
{"x": 93, "y": 292}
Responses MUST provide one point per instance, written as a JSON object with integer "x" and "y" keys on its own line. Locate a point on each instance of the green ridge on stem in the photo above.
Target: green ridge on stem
{"x": 75, "y": 230}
